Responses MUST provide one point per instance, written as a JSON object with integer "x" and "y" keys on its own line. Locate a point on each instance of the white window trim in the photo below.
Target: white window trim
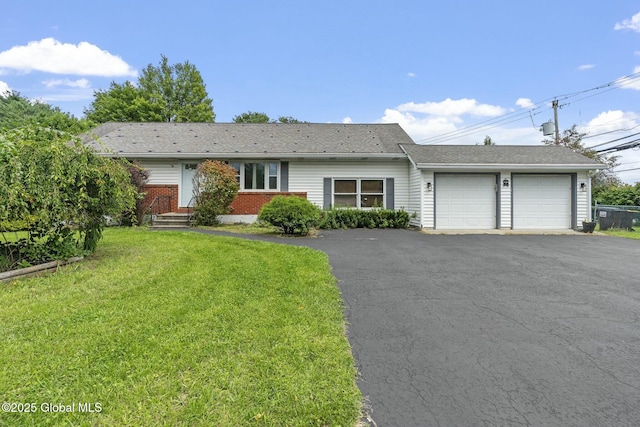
{"x": 359, "y": 192}
{"x": 266, "y": 163}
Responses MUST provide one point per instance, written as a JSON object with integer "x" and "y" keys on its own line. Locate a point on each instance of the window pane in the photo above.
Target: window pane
{"x": 273, "y": 169}
{"x": 248, "y": 176}
{"x": 273, "y": 183}
{"x": 345, "y": 201}
{"x": 259, "y": 176}
{"x": 371, "y": 186}
{"x": 236, "y": 166}
{"x": 344, "y": 186}
{"x": 371, "y": 200}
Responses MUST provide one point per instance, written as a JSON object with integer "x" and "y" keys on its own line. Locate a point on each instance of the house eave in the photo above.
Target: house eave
{"x": 480, "y": 167}
{"x": 265, "y": 156}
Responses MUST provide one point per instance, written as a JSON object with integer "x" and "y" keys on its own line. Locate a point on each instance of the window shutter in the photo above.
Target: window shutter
{"x": 327, "y": 193}
{"x": 284, "y": 176}
{"x": 390, "y": 193}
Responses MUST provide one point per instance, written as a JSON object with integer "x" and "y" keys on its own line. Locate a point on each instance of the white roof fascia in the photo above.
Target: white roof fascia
{"x": 512, "y": 167}
{"x": 158, "y": 155}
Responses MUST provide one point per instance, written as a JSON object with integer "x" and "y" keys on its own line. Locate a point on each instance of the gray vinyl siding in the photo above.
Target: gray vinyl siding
{"x": 309, "y": 177}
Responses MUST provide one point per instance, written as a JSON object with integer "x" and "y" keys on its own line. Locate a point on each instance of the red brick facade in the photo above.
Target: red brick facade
{"x": 167, "y": 197}
{"x": 246, "y": 202}
{"x": 250, "y": 202}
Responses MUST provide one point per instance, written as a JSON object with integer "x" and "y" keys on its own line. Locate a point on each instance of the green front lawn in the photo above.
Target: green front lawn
{"x": 635, "y": 234}
{"x": 175, "y": 328}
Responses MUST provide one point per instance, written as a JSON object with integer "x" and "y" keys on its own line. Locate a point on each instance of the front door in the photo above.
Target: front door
{"x": 186, "y": 189}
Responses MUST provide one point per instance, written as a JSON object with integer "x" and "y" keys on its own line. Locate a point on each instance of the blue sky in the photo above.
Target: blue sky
{"x": 435, "y": 68}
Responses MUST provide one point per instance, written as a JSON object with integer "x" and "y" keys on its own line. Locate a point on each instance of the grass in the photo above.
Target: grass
{"x": 635, "y": 234}
{"x": 241, "y": 228}
{"x": 175, "y": 328}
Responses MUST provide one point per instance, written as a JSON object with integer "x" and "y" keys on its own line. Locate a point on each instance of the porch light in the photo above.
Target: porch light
{"x": 429, "y": 186}
{"x": 505, "y": 183}
{"x": 583, "y": 186}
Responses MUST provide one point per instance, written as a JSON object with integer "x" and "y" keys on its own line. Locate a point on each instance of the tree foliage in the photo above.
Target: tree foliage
{"x": 214, "y": 187}
{"x": 122, "y": 103}
{"x": 138, "y": 177}
{"x": 59, "y": 191}
{"x": 251, "y": 117}
{"x": 163, "y": 93}
{"x": 572, "y": 138}
{"x": 255, "y": 117}
{"x": 17, "y": 111}
{"x": 620, "y": 195}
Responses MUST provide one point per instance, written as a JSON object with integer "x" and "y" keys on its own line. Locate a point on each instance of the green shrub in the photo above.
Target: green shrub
{"x": 214, "y": 187}
{"x": 355, "y": 218}
{"x": 292, "y": 214}
{"x": 58, "y": 192}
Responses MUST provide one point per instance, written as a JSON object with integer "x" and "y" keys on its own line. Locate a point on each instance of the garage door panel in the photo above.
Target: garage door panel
{"x": 465, "y": 201}
{"x": 541, "y": 201}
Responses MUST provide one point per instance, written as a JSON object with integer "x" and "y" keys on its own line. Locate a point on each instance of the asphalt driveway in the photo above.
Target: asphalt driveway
{"x": 491, "y": 330}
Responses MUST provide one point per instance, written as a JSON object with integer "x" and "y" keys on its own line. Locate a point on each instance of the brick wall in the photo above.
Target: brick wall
{"x": 246, "y": 202}
{"x": 250, "y": 202}
{"x": 164, "y": 204}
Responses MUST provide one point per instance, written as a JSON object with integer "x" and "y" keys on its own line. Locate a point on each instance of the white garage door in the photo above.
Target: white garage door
{"x": 541, "y": 201}
{"x": 465, "y": 201}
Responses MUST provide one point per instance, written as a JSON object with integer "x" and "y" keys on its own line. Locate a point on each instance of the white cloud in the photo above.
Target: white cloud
{"x": 70, "y": 95}
{"x": 80, "y": 83}
{"x": 347, "y": 120}
{"x": 611, "y": 125}
{"x": 525, "y": 103}
{"x": 424, "y": 121}
{"x": 411, "y": 74}
{"x": 607, "y": 123}
{"x": 453, "y": 107}
{"x": 630, "y": 83}
{"x": 4, "y": 88}
{"x": 51, "y": 56}
{"x": 632, "y": 24}
{"x": 585, "y": 67}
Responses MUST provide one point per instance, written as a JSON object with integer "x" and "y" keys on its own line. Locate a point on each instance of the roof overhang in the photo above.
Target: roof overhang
{"x": 485, "y": 167}
{"x": 261, "y": 156}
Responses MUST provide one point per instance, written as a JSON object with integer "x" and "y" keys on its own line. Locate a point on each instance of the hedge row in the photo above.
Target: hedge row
{"x": 296, "y": 215}
{"x": 355, "y": 218}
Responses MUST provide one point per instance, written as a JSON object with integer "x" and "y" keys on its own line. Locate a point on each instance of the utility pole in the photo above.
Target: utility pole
{"x": 554, "y": 104}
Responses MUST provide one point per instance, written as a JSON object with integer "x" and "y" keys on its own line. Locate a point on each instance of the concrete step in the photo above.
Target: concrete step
{"x": 172, "y": 220}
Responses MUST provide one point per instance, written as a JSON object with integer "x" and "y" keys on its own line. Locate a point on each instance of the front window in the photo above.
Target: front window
{"x": 256, "y": 175}
{"x": 358, "y": 193}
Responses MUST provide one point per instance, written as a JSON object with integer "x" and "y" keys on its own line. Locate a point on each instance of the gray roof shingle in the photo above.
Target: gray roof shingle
{"x": 235, "y": 140}
{"x": 495, "y": 155}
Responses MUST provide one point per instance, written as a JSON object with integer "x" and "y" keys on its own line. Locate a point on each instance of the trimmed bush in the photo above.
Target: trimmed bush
{"x": 292, "y": 214}
{"x": 214, "y": 187}
{"x": 355, "y": 218}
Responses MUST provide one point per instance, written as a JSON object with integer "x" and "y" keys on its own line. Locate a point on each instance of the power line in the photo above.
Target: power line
{"x": 621, "y": 147}
{"x": 518, "y": 114}
{"x": 614, "y": 140}
{"x": 611, "y": 131}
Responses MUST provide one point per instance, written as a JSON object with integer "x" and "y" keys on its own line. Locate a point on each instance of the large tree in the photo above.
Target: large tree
{"x": 572, "y": 138}
{"x": 254, "y": 117}
{"x": 163, "y": 93}
{"x": 251, "y": 117}
{"x": 18, "y": 111}
{"x": 123, "y": 103}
